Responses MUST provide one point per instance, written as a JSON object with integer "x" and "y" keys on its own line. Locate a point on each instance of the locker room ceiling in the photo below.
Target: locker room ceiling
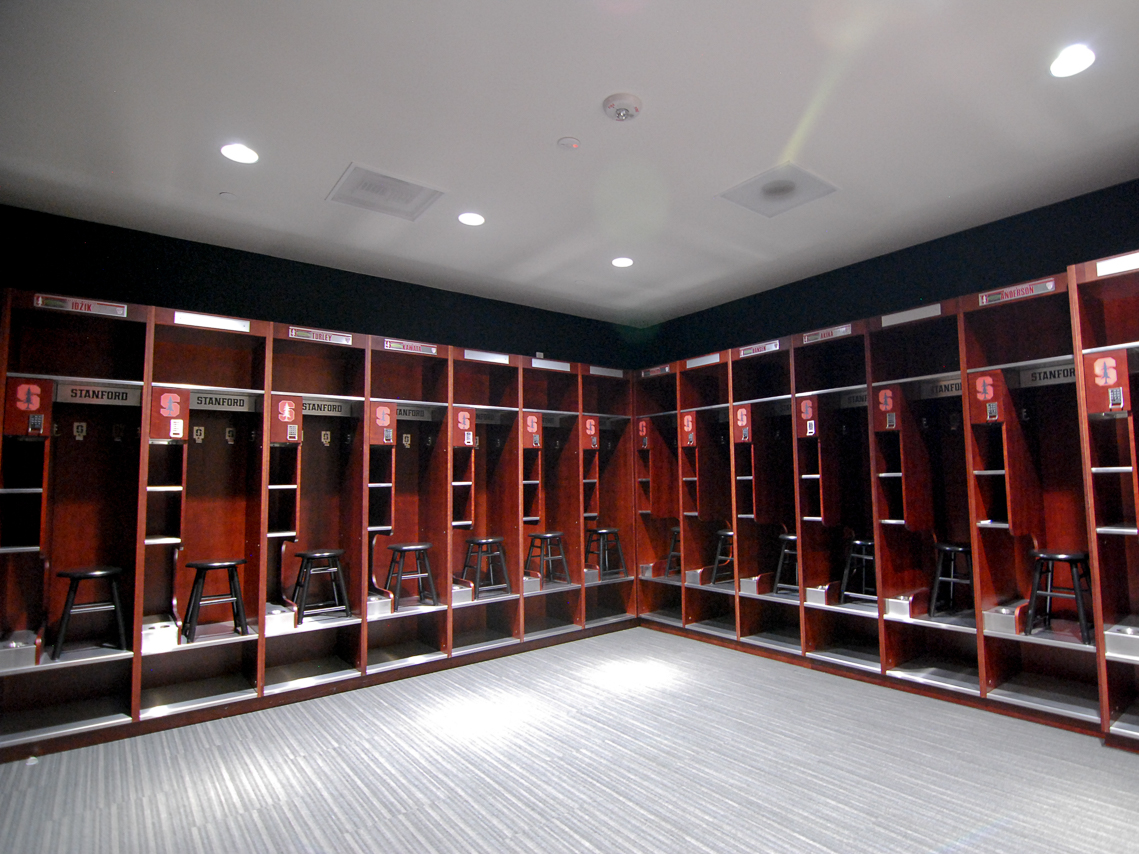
{"x": 928, "y": 116}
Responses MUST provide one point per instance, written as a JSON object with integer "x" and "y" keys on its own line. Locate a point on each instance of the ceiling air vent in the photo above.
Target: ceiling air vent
{"x": 778, "y": 190}
{"x": 366, "y": 188}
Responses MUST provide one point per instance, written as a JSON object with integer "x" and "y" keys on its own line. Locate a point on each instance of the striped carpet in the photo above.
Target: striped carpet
{"x": 635, "y": 741}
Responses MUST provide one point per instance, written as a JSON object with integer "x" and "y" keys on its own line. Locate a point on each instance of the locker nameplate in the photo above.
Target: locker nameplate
{"x": 304, "y": 333}
{"x": 1031, "y": 289}
{"x": 219, "y": 402}
{"x": 655, "y": 372}
{"x": 484, "y": 356}
{"x": 323, "y": 406}
{"x": 616, "y": 373}
{"x": 949, "y": 386}
{"x": 1122, "y": 264}
{"x": 756, "y": 349}
{"x": 400, "y": 346}
{"x": 827, "y": 334}
{"x": 103, "y": 394}
{"x": 1036, "y": 377}
{"x": 210, "y": 321}
{"x": 701, "y": 361}
{"x": 853, "y": 399}
{"x": 81, "y": 306}
{"x": 550, "y": 365}
{"x": 921, "y": 313}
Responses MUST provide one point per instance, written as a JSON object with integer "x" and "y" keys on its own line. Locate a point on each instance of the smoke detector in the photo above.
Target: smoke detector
{"x": 622, "y": 106}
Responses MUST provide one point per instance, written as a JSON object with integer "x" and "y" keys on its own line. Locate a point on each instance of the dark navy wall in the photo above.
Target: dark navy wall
{"x": 1040, "y": 243}
{"x": 86, "y": 259}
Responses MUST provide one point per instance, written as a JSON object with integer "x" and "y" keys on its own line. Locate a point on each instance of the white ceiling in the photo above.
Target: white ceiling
{"x": 929, "y": 116}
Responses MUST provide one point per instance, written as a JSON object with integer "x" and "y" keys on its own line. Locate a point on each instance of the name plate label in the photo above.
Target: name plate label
{"x": 941, "y": 387}
{"x": 323, "y": 406}
{"x": 853, "y": 399}
{"x": 400, "y": 346}
{"x": 81, "y": 306}
{"x": 223, "y": 402}
{"x": 108, "y": 395}
{"x": 756, "y": 349}
{"x": 616, "y": 373}
{"x": 1031, "y": 289}
{"x": 826, "y": 334}
{"x": 1035, "y": 377}
{"x": 656, "y": 372}
{"x": 304, "y": 333}
{"x": 413, "y": 413}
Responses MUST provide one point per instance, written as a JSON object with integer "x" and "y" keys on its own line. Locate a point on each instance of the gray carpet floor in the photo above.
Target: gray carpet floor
{"x": 635, "y": 741}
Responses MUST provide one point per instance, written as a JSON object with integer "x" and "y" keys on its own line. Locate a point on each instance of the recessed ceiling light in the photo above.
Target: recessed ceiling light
{"x": 622, "y": 262}
{"x": 471, "y": 219}
{"x": 239, "y": 153}
{"x": 569, "y": 142}
{"x": 1072, "y": 60}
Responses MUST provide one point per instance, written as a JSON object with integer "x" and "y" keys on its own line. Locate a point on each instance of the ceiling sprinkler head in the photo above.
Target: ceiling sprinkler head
{"x": 622, "y": 107}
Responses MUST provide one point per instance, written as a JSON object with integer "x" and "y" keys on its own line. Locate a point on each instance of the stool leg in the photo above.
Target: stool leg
{"x": 846, "y": 574}
{"x": 338, "y": 577}
{"x": 1048, "y": 599}
{"x": 478, "y": 568}
{"x": 530, "y": 555}
{"x": 190, "y": 629}
{"x": 474, "y": 549}
{"x": 1037, "y": 566}
{"x": 117, "y": 603}
{"x": 425, "y": 569}
{"x": 63, "y": 620}
{"x": 937, "y": 578}
{"x": 239, "y": 621}
{"x": 396, "y": 568}
{"x": 302, "y": 586}
{"x": 620, "y": 555}
{"x": 1085, "y": 632}
{"x": 501, "y": 554}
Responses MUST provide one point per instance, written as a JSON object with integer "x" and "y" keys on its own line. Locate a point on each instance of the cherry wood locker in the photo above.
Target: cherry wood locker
{"x": 704, "y": 444}
{"x": 921, "y": 497}
{"x": 486, "y": 466}
{"x": 409, "y": 499}
{"x": 1026, "y": 492}
{"x": 763, "y": 465}
{"x": 832, "y": 458}
{"x": 319, "y": 379}
{"x": 656, "y": 469}
{"x": 1104, "y": 295}
{"x": 607, "y": 439}
{"x": 69, "y": 464}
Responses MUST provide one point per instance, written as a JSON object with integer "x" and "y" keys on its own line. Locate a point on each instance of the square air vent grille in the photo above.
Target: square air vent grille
{"x": 779, "y": 190}
{"x": 366, "y": 188}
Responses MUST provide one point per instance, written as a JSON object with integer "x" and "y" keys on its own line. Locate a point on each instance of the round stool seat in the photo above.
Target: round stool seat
{"x": 484, "y": 541}
{"x": 607, "y": 530}
{"x": 320, "y": 554}
{"x": 725, "y": 533}
{"x": 959, "y": 548}
{"x": 548, "y": 535}
{"x": 409, "y": 547}
{"x": 1064, "y": 557}
{"x": 91, "y": 572}
{"x": 214, "y": 564}
{"x": 788, "y": 538}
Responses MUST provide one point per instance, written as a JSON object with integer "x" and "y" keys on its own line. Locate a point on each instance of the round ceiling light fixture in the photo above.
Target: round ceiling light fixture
{"x": 569, "y": 142}
{"x": 471, "y": 218}
{"x": 622, "y": 262}
{"x": 622, "y": 106}
{"x": 239, "y": 153}
{"x": 1072, "y": 60}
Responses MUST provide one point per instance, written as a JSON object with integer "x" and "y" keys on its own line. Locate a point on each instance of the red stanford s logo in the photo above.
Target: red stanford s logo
{"x": 741, "y": 416}
{"x": 807, "y": 409}
{"x": 28, "y": 397}
{"x": 886, "y": 400}
{"x": 985, "y": 388}
{"x": 383, "y": 416}
{"x": 590, "y": 426}
{"x": 531, "y": 423}
{"x": 464, "y": 420}
{"x": 1105, "y": 371}
{"x": 287, "y": 411}
{"x": 169, "y": 405}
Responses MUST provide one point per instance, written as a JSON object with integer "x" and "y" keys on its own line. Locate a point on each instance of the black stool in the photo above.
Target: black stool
{"x": 600, "y": 542}
{"x": 673, "y": 554}
{"x": 542, "y": 547}
{"x": 725, "y": 556}
{"x": 422, "y": 571}
{"x": 1043, "y": 564}
{"x": 111, "y": 573}
{"x": 788, "y": 548}
{"x": 321, "y": 562}
{"x": 480, "y": 549}
{"x": 951, "y": 573}
{"x": 197, "y": 600}
{"x": 859, "y": 569}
